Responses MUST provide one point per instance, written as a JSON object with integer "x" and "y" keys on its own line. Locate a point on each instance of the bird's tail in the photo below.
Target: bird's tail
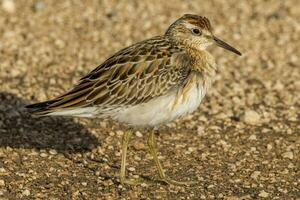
{"x": 42, "y": 108}
{"x": 73, "y": 103}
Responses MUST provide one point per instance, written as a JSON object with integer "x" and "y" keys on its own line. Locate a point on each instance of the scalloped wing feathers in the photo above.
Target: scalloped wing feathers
{"x": 132, "y": 76}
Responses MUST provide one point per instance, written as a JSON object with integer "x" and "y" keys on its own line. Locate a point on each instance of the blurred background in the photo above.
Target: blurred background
{"x": 242, "y": 143}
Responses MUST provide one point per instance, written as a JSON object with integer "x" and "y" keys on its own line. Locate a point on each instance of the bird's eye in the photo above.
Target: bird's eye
{"x": 196, "y": 31}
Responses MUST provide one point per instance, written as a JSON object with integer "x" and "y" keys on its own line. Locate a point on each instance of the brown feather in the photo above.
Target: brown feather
{"x": 123, "y": 77}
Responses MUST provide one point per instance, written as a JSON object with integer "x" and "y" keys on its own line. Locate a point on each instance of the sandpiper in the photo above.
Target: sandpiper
{"x": 146, "y": 84}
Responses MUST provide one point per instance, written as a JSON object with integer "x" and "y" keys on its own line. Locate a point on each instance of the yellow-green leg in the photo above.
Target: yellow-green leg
{"x": 125, "y": 141}
{"x": 162, "y": 176}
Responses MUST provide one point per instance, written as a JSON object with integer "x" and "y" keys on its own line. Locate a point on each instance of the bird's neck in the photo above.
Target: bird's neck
{"x": 203, "y": 62}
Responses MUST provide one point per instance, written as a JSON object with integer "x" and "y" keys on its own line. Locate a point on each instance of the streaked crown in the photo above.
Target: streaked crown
{"x": 197, "y": 20}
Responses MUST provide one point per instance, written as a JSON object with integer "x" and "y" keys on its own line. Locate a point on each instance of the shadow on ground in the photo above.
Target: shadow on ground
{"x": 18, "y": 129}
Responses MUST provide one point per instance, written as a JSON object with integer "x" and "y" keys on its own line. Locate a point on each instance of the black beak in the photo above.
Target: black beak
{"x": 224, "y": 45}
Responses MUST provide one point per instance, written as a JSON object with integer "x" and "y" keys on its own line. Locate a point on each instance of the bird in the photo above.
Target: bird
{"x": 146, "y": 85}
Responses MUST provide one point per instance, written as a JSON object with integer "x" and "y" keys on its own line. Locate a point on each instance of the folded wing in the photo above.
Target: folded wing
{"x": 132, "y": 76}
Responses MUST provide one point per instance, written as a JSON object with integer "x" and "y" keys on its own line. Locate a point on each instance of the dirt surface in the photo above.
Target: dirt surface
{"x": 242, "y": 143}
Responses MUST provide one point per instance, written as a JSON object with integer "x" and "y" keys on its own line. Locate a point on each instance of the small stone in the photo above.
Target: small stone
{"x": 2, "y": 183}
{"x": 252, "y": 137}
{"x": 52, "y": 81}
{"x": 119, "y": 133}
{"x": 138, "y": 134}
{"x": 39, "y": 6}
{"x": 43, "y": 155}
{"x": 251, "y": 117}
{"x": 263, "y": 194}
{"x": 53, "y": 152}
{"x": 202, "y": 196}
{"x": 59, "y": 43}
{"x": 8, "y": 6}
{"x": 137, "y": 158}
{"x": 285, "y": 171}
{"x": 255, "y": 174}
{"x": 252, "y": 149}
{"x": 103, "y": 124}
{"x": 132, "y": 169}
{"x": 223, "y": 144}
{"x": 291, "y": 166}
{"x": 84, "y": 183}
{"x": 26, "y": 192}
{"x": 210, "y": 186}
{"x": 110, "y": 147}
{"x": 200, "y": 131}
{"x": 144, "y": 185}
{"x": 269, "y": 147}
{"x": 139, "y": 146}
{"x": 288, "y": 155}
{"x": 278, "y": 86}
{"x": 111, "y": 133}
{"x": 191, "y": 149}
{"x": 135, "y": 176}
{"x": 220, "y": 196}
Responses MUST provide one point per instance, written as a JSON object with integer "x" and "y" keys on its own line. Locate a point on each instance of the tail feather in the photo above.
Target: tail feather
{"x": 48, "y": 108}
{"x": 72, "y": 100}
{"x": 41, "y": 108}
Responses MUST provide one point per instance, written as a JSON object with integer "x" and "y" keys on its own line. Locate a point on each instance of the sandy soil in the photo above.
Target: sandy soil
{"x": 242, "y": 143}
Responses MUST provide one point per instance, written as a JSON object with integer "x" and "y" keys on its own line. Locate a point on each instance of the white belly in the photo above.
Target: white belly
{"x": 163, "y": 109}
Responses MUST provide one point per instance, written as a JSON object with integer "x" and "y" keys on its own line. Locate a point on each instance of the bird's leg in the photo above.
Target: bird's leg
{"x": 162, "y": 176}
{"x": 125, "y": 141}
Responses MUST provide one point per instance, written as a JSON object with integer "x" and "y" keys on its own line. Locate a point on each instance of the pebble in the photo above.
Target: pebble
{"x": 119, "y": 132}
{"x": 138, "y": 134}
{"x": 269, "y": 147}
{"x": 111, "y": 133}
{"x": 8, "y": 6}
{"x": 255, "y": 174}
{"x": 2, "y": 170}
{"x": 2, "y": 183}
{"x": 53, "y": 152}
{"x": 191, "y": 149}
{"x": 132, "y": 169}
{"x": 43, "y": 155}
{"x": 139, "y": 146}
{"x": 103, "y": 124}
{"x": 288, "y": 155}
{"x": 59, "y": 43}
{"x": 252, "y": 137}
{"x": 144, "y": 185}
{"x": 26, "y": 192}
{"x": 251, "y": 117}
{"x": 137, "y": 158}
{"x": 84, "y": 183}
{"x": 263, "y": 194}
{"x": 39, "y": 6}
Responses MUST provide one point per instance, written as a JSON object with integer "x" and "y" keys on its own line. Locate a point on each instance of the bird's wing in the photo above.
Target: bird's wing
{"x": 134, "y": 75}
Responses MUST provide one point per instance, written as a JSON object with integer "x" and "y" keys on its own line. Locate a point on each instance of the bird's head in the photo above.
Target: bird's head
{"x": 196, "y": 32}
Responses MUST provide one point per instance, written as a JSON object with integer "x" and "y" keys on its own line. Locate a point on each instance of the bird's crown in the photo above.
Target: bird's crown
{"x": 197, "y": 20}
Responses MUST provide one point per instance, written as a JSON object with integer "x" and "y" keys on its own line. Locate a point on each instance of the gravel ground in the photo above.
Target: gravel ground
{"x": 242, "y": 143}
